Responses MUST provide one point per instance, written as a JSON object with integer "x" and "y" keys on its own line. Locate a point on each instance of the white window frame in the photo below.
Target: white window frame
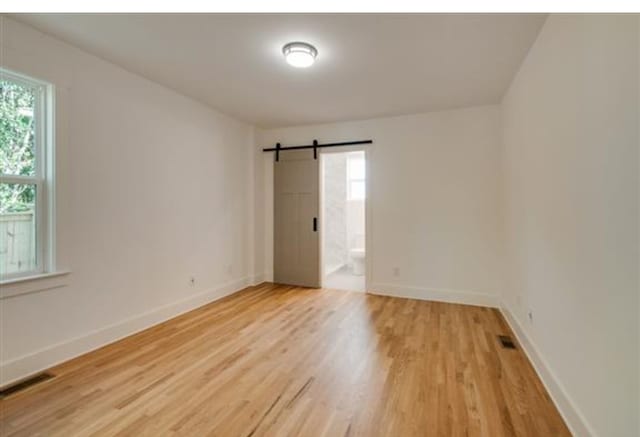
{"x": 351, "y": 179}
{"x": 43, "y": 178}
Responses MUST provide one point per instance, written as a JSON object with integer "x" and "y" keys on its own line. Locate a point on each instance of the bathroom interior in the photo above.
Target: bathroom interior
{"x": 343, "y": 214}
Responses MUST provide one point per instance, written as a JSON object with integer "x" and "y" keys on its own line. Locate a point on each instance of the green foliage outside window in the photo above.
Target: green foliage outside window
{"x": 17, "y": 145}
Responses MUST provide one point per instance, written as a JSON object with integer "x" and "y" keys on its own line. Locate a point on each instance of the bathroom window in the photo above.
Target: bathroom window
{"x": 356, "y": 176}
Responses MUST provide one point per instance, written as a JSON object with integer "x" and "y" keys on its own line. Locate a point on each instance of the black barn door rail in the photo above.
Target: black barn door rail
{"x": 315, "y": 146}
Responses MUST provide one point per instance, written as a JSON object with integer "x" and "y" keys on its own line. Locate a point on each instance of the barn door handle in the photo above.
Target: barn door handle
{"x": 315, "y": 224}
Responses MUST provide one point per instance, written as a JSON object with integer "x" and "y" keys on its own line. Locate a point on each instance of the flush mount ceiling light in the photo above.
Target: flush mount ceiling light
{"x": 300, "y": 54}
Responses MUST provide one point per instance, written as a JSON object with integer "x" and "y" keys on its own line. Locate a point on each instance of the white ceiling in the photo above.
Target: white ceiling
{"x": 367, "y": 66}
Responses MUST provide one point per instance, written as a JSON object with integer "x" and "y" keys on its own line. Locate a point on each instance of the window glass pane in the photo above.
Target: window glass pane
{"x": 356, "y": 190}
{"x": 17, "y": 129}
{"x": 356, "y": 167}
{"x": 17, "y": 228}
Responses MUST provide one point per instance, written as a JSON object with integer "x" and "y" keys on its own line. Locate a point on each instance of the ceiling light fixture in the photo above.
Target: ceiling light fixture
{"x": 300, "y": 54}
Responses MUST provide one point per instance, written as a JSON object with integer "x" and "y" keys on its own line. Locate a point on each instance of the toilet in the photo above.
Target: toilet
{"x": 357, "y": 255}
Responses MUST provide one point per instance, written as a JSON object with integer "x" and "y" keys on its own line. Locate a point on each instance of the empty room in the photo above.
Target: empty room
{"x": 328, "y": 223}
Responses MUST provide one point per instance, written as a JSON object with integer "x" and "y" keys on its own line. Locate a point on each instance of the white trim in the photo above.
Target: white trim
{"x": 440, "y": 295}
{"x": 22, "y": 367}
{"x": 20, "y": 179}
{"x": 575, "y": 420}
{"x": 368, "y": 217}
{"x": 33, "y": 283}
{"x": 42, "y": 145}
{"x": 321, "y": 218}
{"x": 48, "y": 154}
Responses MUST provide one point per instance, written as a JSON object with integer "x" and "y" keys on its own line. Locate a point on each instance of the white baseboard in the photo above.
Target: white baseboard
{"x": 450, "y": 296}
{"x": 573, "y": 418}
{"x": 25, "y": 366}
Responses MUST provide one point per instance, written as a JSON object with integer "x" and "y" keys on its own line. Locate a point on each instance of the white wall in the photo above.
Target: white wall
{"x": 355, "y": 224}
{"x": 335, "y": 250}
{"x": 434, "y": 201}
{"x": 356, "y": 215}
{"x": 153, "y": 188}
{"x": 571, "y": 190}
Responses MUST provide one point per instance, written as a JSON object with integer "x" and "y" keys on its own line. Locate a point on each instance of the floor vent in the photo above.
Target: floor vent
{"x": 25, "y": 384}
{"x": 507, "y": 342}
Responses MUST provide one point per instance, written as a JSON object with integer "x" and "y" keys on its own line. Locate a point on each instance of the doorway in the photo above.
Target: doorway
{"x": 343, "y": 197}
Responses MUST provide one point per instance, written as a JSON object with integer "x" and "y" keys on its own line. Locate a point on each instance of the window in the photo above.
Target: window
{"x": 26, "y": 187}
{"x": 356, "y": 176}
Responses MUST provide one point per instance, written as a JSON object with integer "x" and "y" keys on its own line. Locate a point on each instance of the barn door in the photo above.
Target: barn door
{"x": 296, "y": 239}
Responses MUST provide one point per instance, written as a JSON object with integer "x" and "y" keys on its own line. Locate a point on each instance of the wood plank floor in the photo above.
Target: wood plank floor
{"x": 285, "y": 361}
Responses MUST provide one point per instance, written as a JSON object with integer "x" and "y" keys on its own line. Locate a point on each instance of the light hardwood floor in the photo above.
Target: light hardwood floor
{"x": 285, "y": 361}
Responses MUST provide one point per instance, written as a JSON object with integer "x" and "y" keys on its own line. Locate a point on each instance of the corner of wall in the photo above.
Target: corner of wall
{"x": 575, "y": 420}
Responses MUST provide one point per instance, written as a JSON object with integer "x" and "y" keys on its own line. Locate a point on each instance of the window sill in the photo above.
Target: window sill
{"x": 32, "y": 284}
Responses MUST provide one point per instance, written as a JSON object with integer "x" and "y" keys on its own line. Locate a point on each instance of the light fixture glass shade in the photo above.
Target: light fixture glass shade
{"x": 300, "y": 54}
